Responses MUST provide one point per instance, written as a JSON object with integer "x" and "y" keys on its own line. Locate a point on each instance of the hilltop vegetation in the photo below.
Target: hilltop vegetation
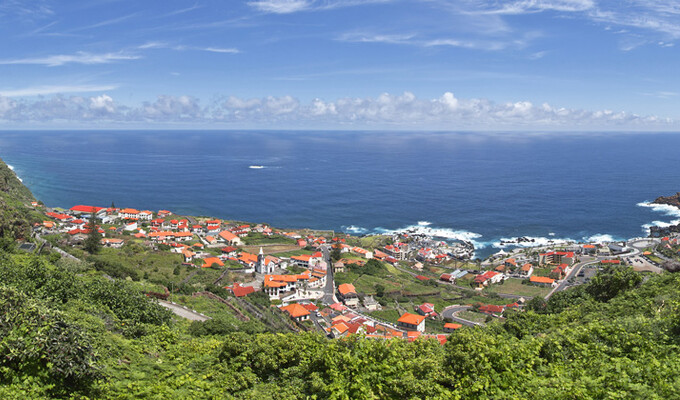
{"x": 68, "y": 330}
{"x": 16, "y": 216}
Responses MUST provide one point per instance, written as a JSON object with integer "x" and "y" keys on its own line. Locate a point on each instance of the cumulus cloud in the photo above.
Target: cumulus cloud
{"x": 168, "y": 108}
{"x": 386, "y": 110}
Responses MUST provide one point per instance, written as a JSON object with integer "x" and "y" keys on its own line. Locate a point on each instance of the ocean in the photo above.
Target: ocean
{"x": 481, "y": 187}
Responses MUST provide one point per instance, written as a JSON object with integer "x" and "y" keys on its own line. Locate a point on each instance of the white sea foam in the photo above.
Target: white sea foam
{"x": 440, "y": 233}
{"x": 357, "y": 230}
{"x": 600, "y": 238}
{"x": 529, "y": 241}
{"x": 660, "y": 224}
{"x": 424, "y": 223}
{"x": 666, "y": 209}
{"x": 551, "y": 234}
{"x": 15, "y": 173}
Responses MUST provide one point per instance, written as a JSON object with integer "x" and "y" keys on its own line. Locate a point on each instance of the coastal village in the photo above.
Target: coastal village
{"x": 404, "y": 285}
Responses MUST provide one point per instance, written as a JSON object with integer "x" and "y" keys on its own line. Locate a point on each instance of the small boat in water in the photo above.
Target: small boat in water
{"x": 256, "y": 166}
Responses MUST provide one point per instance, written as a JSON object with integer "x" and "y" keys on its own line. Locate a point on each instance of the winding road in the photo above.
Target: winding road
{"x": 183, "y": 311}
{"x": 450, "y": 312}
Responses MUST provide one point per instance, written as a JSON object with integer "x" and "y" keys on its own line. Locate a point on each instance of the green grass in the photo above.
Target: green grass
{"x": 515, "y": 286}
{"x": 292, "y": 253}
{"x": 434, "y": 326}
{"x": 472, "y": 316}
{"x": 255, "y": 238}
{"x": 389, "y": 315}
{"x": 543, "y": 271}
{"x": 655, "y": 259}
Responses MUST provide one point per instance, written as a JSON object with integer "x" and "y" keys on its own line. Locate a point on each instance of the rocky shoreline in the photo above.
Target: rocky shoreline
{"x": 673, "y": 200}
{"x": 657, "y": 231}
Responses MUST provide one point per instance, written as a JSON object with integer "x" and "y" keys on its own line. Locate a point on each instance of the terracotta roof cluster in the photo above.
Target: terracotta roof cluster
{"x": 485, "y": 276}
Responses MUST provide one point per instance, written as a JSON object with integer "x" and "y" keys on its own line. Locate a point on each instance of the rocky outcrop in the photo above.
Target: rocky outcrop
{"x": 657, "y": 231}
{"x": 673, "y": 200}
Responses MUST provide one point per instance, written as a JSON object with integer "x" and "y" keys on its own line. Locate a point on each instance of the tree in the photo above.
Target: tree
{"x": 335, "y": 254}
{"x": 93, "y": 242}
{"x": 612, "y": 280}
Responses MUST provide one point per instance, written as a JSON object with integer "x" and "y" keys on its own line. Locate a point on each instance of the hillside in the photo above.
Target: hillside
{"x": 69, "y": 331}
{"x": 16, "y": 216}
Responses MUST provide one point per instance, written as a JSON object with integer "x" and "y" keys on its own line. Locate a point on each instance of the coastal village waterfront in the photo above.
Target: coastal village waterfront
{"x": 403, "y": 285}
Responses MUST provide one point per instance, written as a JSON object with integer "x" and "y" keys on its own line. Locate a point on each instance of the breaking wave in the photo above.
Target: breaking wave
{"x": 529, "y": 241}
{"x": 666, "y": 209}
{"x": 440, "y": 233}
{"x": 601, "y": 238}
{"x": 357, "y": 230}
{"x": 11, "y": 167}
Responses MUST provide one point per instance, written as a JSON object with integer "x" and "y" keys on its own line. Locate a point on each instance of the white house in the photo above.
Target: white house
{"x": 412, "y": 322}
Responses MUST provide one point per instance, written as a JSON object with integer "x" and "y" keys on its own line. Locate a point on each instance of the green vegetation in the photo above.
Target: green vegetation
{"x": 93, "y": 243}
{"x": 518, "y": 287}
{"x": 68, "y": 331}
{"x": 16, "y": 216}
{"x": 473, "y": 316}
{"x": 255, "y": 238}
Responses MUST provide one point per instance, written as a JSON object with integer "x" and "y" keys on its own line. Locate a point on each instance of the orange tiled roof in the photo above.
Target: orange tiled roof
{"x": 208, "y": 262}
{"x": 346, "y": 288}
{"x": 411, "y": 319}
{"x": 541, "y": 279}
{"x": 247, "y": 258}
{"x": 226, "y": 235}
{"x": 295, "y": 310}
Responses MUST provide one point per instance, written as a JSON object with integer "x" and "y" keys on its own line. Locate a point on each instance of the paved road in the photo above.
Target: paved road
{"x": 577, "y": 268}
{"x": 318, "y": 326}
{"x": 57, "y": 249}
{"x": 450, "y": 311}
{"x": 329, "y": 289}
{"x": 183, "y": 312}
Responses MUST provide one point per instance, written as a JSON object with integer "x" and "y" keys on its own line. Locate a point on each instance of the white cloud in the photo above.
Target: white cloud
{"x": 221, "y": 50}
{"x": 78, "y": 58}
{"x": 163, "y": 45}
{"x": 414, "y": 40}
{"x": 375, "y": 38}
{"x": 281, "y": 6}
{"x": 386, "y": 111}
{"x": 291, "y": 6}
{"x": 169, "y": 108}
{"x": 102, "y": 104}
{"x": 529, "y": 6}
{"x": 47, "y": 90}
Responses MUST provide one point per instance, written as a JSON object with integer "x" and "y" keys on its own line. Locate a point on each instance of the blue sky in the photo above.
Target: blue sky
{"x": 341, "y": 64}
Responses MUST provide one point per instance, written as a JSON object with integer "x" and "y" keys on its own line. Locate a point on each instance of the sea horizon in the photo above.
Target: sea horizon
{"x": 483, "y": 188}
